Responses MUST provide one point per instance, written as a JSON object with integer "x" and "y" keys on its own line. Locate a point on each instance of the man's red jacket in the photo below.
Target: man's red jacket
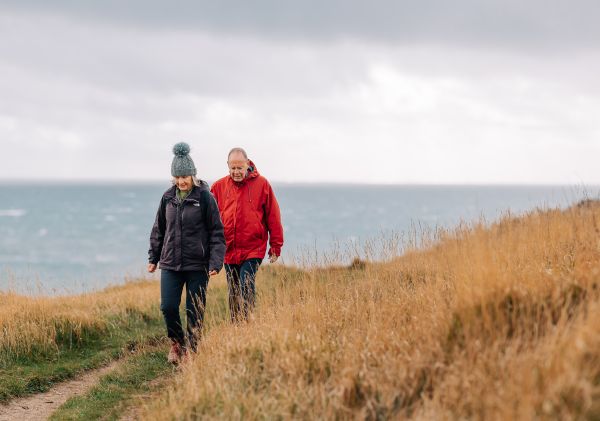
{"x": 250, "y": 215}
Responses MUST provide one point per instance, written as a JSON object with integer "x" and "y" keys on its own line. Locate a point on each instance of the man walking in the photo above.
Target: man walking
{"x": 251, "y": 218}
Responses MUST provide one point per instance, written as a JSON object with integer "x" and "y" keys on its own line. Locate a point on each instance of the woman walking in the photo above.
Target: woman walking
{"x": 188, "y": 242}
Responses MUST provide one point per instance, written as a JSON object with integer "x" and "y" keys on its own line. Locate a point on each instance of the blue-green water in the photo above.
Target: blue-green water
{"x": 80, "y": 237}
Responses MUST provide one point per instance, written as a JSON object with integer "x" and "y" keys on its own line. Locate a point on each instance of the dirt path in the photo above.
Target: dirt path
{"x": 42, "y": 405}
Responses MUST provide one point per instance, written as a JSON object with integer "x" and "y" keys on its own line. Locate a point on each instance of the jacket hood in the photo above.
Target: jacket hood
{"x": 252, "y": 173}
{"x": 252, "y": 170}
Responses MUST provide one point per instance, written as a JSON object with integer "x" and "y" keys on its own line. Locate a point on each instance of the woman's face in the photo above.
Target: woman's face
{"x": 184, "y": 183}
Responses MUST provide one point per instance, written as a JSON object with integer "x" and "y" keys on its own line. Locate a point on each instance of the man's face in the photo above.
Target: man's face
{"x": 184, "y": 183}
{"x": 238, "y": 166}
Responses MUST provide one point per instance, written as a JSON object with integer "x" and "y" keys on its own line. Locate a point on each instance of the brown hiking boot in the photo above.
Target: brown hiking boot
{"x": 175, "y": 352}
{"x": 185, "y": 357}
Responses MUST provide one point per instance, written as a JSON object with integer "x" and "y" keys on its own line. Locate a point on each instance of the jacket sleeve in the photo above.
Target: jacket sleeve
{"x": 273, "y": 217}
{"x": 216, "y": 235}
{"x": 157, "y": 234}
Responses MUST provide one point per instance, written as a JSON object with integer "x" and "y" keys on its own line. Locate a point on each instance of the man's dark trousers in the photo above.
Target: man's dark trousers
{"x": 241, "y": 281}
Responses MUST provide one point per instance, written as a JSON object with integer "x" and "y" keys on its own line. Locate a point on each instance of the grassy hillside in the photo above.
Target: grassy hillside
{"x": 494, "y": 321}
{"x": 487, "y": 322}
{"x": 44, "y": 340}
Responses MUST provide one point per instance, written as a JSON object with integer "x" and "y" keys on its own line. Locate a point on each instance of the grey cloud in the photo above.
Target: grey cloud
{"x": 427, "y": 80}
{"x": 146, "y": 61}
{"x": 550, "y": 24}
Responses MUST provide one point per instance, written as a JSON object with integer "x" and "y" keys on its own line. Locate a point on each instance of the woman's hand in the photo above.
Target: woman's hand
{"x": 273, "y": 258}
{"x": 212, "y": 273}
{"x": 151, "y": 267}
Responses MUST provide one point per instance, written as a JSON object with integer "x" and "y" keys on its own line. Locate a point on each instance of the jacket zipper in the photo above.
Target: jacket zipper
{"x": 180, "y": 220}
{"x": 201, "y": 245}
{"x": 181, "y": 224}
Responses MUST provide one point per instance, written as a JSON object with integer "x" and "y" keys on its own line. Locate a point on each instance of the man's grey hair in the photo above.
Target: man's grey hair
{"x": 237, "y": 150}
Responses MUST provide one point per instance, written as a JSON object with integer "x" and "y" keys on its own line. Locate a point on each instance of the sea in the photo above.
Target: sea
{"x": 73, "y": 238}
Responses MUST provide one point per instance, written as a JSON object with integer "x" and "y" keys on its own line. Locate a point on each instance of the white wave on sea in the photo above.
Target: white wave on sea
{"x": 15, "y": 213}
{"x": 105, "y": 258}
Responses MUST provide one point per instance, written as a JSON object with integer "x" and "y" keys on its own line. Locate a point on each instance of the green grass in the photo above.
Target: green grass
{"x": 37, "y": 373}
{"x": 137, "y": 336}
{"x": 114, "y": 392}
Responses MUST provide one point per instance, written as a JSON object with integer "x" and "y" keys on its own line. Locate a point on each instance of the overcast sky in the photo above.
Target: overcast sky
{"x": 316, "y": 91}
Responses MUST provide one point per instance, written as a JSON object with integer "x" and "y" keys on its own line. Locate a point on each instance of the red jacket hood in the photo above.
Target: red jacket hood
{"x": 252, "y": 171}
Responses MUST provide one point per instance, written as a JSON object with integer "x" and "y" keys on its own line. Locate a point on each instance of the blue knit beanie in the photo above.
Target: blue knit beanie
{"x": 182, "y": 162}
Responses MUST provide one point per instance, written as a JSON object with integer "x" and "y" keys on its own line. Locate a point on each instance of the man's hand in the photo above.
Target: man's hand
{"x": 151, "y": 267}
{"x": 212, "y": 272}
{"x": 273, "y": 258}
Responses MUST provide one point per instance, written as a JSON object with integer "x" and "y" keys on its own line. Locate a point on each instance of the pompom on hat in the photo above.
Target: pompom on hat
{"x": 182, "y": 164}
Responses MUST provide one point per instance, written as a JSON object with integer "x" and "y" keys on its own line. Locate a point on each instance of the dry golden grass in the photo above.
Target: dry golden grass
{"x": 31, "y": 325}
{"x": 488, "y": 322}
